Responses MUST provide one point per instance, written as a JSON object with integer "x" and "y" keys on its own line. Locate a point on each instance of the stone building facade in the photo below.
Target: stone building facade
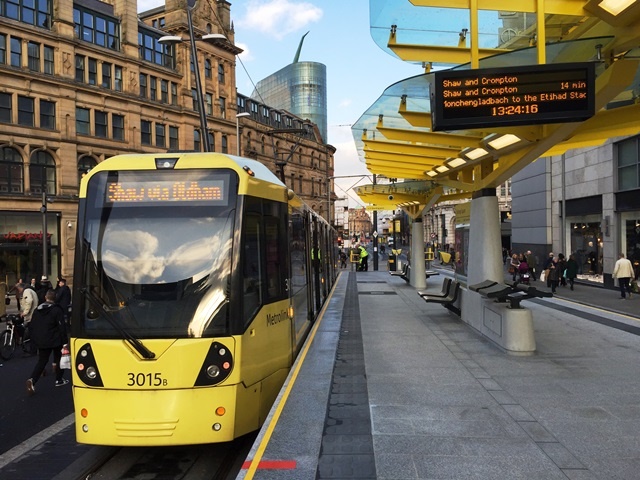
{"x": 84, "y": 81}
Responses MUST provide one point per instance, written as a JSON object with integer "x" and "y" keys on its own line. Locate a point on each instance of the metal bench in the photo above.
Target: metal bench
{"x": 446, "y": 286}
{"x": 513, "y": 294}
{"x": 449, "y": 300}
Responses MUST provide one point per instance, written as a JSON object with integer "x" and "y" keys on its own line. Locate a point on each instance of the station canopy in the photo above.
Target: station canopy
{"x": 395, "y": 136}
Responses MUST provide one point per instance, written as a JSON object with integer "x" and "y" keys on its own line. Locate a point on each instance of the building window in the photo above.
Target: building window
{"x": 208, "y": 98}
{"x": 151, "y": 50}
{"x": 43, "y": 173}
{"x": 241, "y": 103}
{"x": 85, "y": 164}
{"x": 143, "y": 85}
{"x": 220, "y": 73}
{"x": 223, "y": 107}
{"x": 212, "y": 142}
{"x": 106, "y": 75}
{"x": 628, "y": 154}
{"x": 11, "y": 171}
{"x": 174, "y": 93}
{"x": 48, "y": 60}
{"x": 33, "y": 56}
{"x": 196, "y": 140}
{"x": 16, "y": 52}
{"x": 96, "y": 28}
{"x": 3, "y": 49}
{"x": 28, "y": 11}
{"x": 79, "y": 68}
{"x": 26, "y": 111}
{"x": 101, "y": 123}
{"x": 145, "y": 132}
{"x": 47, "y": 115}
{"x": 194, "y": 97}
{"x": 93, "y": 71}
{"x": 160, "y": 135}
{"x": 118, "y": 78}
{"x": 153, "y": 88}
{"x": 173, "y": 138}
{"x": 224, "y": 144}
{"x": 6, "y": 107}
{"x": 164, "y": 91}
{"x": 83, "y": 125}
{"x": 207, "y": 68}
{"x": 117, "y": 127}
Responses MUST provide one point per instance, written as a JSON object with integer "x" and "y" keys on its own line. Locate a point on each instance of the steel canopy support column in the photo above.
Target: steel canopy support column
{"x": 417, "y": 278}
{"x": 485, "y": 258}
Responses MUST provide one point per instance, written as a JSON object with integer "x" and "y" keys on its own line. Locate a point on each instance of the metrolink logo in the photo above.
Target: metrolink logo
{"x": 273, "y": 319}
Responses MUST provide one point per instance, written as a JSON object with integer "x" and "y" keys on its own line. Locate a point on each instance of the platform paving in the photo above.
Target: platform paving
{"x": 446, "y": 403}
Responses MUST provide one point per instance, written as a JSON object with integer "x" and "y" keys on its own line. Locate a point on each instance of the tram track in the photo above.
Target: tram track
{"x": 221, "y": 461}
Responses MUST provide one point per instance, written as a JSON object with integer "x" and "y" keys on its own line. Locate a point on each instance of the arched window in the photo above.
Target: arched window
{"x": 207, "y": 68}
{"x": 221, "y": 73}
{"x": 225, "y": 146}
{"x": 43, "y": 173}
{"x": 11, "y": 171}
{"x": 85, "y": 164}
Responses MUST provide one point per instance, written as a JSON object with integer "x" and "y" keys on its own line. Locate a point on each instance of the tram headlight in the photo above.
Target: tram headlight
{"x": 87, "y": 367}
{"x": 213, "y": 371}
{"x": 216, "y": 367}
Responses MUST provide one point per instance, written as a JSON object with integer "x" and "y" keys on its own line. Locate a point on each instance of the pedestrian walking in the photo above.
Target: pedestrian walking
{"x": 545, "y": 269}
{"x": 554, "y": 274}
{"x": 572, "y": 270}
{"x": 513, "y": 266}
{"x": 623, "y": 271}
{"x": 49, "y": 333}
{"x": 28, "y": 302}
{"x": 343, "y": 259}
{"x": 364, "y": 258}
{"x": 561, "y": 266}
{"x": 63, "y": 297}
{"x": 533, "y": 264}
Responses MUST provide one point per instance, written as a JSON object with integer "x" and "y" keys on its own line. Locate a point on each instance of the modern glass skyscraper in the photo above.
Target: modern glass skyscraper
{"x": 299, "y": 88}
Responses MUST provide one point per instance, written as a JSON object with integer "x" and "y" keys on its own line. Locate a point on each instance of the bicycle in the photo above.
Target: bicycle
{"x": 11, "y": 337}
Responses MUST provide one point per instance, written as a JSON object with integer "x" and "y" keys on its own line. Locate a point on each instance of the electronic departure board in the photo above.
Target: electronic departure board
{"x": 497, "y": 97}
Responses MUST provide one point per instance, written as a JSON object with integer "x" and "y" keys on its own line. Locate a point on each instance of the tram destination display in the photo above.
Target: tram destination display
{"x": 141, "y": 189}
{"x": 498, "y": 97}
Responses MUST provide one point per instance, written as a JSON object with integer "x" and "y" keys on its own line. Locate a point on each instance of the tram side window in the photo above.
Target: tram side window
{"x": 264, "y": 262}
{"x": 252, "y": 265}
{"x": 275, "y": 242}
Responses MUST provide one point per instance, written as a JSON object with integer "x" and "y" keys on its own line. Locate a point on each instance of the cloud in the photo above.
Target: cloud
{"x": 247, "y": 54}
{"x": 279, "y": 17}
{"x": 345, "y": 103}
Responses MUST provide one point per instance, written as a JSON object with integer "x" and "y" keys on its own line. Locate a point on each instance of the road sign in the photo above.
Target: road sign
{"x": 433, "y": 235}
{"x": 375, "y": 234}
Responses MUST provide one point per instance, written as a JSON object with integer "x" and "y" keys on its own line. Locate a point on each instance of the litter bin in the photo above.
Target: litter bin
{"x": 391, "y": 262}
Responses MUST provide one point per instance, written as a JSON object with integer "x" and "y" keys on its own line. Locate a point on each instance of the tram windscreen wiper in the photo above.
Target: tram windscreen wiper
{"x": 133, "y": 341}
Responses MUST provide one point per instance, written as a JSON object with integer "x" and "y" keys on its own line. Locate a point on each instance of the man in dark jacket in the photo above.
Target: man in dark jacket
{"x": 49, "y": 333}
{"x": 63, "y": 297}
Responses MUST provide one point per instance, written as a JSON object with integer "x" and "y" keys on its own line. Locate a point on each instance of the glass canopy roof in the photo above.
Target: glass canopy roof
{"x": 418, "y": 88}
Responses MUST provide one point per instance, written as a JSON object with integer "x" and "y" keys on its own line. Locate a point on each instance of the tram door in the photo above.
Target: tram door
{"x": 315, "y": 263}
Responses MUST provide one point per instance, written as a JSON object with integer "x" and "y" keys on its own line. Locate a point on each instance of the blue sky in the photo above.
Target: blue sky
{"x": 358, "y": 70}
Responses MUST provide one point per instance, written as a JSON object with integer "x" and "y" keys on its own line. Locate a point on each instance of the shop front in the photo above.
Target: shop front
{"x": 21, "y": 246}
{"x": 587, "y": 248}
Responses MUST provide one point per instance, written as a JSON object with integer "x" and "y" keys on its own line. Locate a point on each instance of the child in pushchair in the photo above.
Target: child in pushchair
{"x": 523, "y": 272}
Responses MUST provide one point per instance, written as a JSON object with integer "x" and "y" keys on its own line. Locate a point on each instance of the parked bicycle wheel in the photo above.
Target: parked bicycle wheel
{"x": 7, "y": 345}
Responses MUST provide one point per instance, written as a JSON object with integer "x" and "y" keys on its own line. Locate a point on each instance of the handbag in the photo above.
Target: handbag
{"x": 512, "y": 269}
{"x": 543, "y": 275}
{"x": 65, "y": 359}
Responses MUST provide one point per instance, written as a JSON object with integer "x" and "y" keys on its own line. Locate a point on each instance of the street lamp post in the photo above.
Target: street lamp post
{"x": 241, "y": 114}
{"x": 211, "y": 38}
{"x": 45, "y": 257}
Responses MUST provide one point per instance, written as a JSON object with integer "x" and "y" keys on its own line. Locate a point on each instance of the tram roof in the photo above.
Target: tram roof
{"x": 394, "y": 136}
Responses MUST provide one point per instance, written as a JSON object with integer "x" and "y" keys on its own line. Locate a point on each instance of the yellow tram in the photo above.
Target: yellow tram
{"x": 197, "y": 277}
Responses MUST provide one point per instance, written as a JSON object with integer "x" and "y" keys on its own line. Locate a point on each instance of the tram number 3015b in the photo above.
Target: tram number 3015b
{"x": 146, "y": 380}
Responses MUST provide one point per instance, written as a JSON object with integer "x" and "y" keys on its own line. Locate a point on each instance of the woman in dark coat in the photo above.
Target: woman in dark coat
{"x": 554, "y": 274}
{"x": 572, "y": 269}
